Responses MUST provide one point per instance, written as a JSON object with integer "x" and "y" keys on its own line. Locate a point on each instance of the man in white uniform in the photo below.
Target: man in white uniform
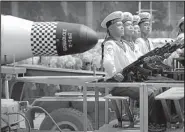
{"x": 145, "y": 26}
{"x": 114, "y": 55}
{"x": 114, "y": 51}
{"x": 178, "y": 52}
{"x": 133, "y": 51}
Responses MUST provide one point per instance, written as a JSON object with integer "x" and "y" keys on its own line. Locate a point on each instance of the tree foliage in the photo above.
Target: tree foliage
{"x": 159, "y": 15}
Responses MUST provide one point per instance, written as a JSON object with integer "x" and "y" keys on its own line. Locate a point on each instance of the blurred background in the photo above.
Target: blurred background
{"x": 165, "y": 16}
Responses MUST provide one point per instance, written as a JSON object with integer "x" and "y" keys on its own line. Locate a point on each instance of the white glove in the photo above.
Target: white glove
{"x": 118, "y": 77}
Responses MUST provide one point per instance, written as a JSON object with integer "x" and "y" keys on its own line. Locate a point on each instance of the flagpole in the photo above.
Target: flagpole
{"x": 151, "y": 12}
{"x": 139, "y": 6}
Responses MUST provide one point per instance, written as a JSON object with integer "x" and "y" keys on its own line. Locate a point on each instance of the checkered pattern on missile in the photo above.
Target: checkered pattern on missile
{"x": 43, "y": 39}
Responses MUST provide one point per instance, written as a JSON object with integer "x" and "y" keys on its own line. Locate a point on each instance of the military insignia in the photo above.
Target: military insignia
{"x": 109, "y": 50}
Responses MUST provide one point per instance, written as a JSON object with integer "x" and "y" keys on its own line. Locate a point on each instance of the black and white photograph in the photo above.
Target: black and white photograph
{"x": 92, "y": 66}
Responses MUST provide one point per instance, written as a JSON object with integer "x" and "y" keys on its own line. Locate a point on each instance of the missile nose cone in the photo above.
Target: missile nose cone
{"x": 74, "y": 38}
{"x": 43, "y": 38}
{"x": 90, "y": 36}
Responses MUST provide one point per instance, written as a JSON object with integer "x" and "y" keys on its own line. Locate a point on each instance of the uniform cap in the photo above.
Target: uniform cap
{"x": 144, "y": 16}
{"x": 127, "y": 16}
{"x": 112, "y": 18}
{"x": 136, "y": 19}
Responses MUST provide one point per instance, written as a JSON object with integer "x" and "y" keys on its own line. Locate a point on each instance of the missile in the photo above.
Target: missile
{"x": 22, "y": 39}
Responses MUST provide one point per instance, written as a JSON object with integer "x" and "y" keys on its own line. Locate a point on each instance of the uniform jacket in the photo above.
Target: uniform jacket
{"x": 115, "y": 58}
{"x": 169, "y": 60}
{"x": 145, "y": 46}
{"x": 132, "y": 54}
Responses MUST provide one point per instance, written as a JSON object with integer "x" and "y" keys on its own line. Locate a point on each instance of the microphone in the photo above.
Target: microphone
{"x": 22, "y": 39}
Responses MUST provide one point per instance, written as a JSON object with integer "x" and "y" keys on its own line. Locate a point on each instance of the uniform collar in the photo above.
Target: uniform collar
{"x": 130, "y": 44}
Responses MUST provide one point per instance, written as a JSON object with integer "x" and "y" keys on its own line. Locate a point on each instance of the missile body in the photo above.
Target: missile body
{"x": 22, "y": 39}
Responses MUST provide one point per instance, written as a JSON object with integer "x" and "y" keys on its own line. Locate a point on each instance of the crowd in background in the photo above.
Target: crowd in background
{"x": 84, "y": 61}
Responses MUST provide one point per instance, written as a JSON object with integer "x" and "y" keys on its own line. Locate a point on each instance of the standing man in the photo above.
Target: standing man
{"x": 145, "y": 26}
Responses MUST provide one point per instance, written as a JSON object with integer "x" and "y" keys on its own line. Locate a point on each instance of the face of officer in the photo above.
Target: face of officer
{"x": 145, "y": 27}
{"x": 116, "y": 29}
{"x": 137, "y": 31}
{"x": 128, "y": 28}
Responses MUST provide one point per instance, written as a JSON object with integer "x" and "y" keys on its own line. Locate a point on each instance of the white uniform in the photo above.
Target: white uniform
{"x": 169, "y": 60}
{"x": 115, "y": 58}
{"x": 145, "y": 46}
{"x": 181, "y": 35}
{"x": 114, "y": 52}
{"x": 130, "y": 54}
{"x": 134, "y": 54}
{"x": 137, "y": 51}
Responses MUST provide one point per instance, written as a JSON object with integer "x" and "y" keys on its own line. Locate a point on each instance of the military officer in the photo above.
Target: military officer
{"x": 180, "y": 36}
{"x": 143, "y": 42}
{"x": 114, "y": 51}
{"x": 133, "y": 51}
